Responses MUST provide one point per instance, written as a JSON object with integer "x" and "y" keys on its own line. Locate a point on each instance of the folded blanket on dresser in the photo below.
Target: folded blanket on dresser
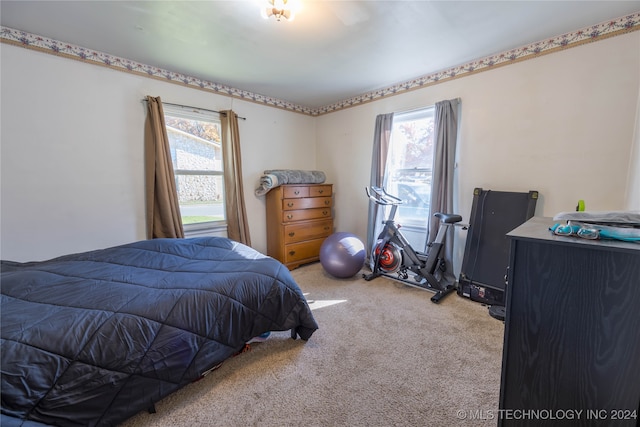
{"x": 276, "y": 177}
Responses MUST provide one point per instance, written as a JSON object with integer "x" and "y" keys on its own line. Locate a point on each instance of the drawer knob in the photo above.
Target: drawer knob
{"x": 289, "y": 216}
{"x": 326, "y": 202}
{"x": 296, "y": 192}
{"x": 292, "y": 253}
{"x": 327, "y": 228}
{"x": 320, "y": 191}
{"x": 292, "y": 234}
{"x": 290, "y": 204}
{"x": 325, "y": 213}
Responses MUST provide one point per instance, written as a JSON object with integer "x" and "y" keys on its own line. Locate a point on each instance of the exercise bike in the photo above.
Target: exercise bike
{"x": 393, "y": 253}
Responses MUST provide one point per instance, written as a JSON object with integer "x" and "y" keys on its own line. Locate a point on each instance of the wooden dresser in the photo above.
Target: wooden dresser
{"x": 299, "y": 218}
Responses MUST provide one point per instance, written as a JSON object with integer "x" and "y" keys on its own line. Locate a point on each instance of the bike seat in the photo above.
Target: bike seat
{"x": 448, "y": 218}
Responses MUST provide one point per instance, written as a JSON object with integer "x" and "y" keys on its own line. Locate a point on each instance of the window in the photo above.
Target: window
{"x": 196, "y": 152}
{"x": 408, "y": 173}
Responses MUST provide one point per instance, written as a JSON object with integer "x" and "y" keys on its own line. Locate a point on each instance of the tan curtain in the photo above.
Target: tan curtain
{"x": 163, "y": 211}
{"x": 237, "y": 225}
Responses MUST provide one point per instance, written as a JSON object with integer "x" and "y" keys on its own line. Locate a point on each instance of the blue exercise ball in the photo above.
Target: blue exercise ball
{"x": 342, "y": 254}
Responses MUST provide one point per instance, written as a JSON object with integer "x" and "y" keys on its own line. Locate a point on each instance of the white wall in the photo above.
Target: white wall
{"x": 562, "y": 124}
{"x": 72, "y": 153}
{"x": 72, "y": 142}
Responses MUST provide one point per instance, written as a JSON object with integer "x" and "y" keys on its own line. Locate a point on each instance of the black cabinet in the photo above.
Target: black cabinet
{"x": 572, "y": 331}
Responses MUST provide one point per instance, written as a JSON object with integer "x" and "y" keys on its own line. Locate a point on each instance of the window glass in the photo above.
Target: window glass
{"x": 196, "y": 152}
{"x": 408, "y": 175}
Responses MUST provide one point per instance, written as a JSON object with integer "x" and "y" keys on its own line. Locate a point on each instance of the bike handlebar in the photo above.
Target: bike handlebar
{"x": 381, "y": 197}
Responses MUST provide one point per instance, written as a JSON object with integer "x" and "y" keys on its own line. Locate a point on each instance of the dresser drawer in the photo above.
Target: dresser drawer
{"x": 301, "y": 215}
{"x": 300, "y": 251}
{"x": 307, "y": 230}
{"x": 306, "y": 203}
{"x": 320, "y": 191}
{"x": 290, "y": 192}
{"x": 296, "y": 191}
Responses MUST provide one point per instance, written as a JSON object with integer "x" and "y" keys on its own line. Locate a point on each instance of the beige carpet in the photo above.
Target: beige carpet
{"x": 384, "y": 355}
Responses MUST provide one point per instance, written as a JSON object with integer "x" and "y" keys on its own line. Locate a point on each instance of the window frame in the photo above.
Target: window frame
{"x": 217, "y": 227}
{"x": 413, "y": 231}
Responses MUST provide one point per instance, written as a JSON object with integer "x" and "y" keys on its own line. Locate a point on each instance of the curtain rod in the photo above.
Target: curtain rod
{"x": 196, "y": 108}
{"x": 413, "y": 110}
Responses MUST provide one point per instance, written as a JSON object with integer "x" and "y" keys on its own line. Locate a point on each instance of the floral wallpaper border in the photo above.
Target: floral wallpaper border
{"x": 596, "y": 32}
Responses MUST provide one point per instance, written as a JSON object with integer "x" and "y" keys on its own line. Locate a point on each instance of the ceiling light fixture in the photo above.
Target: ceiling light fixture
{"x": 281, "y": 9}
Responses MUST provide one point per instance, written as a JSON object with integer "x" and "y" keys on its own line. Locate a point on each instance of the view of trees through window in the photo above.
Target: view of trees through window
{"x": 196, "y": 153}
{"x": 408, "y": 175}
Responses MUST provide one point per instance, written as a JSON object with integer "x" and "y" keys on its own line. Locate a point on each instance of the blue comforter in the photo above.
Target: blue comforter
{"x": 93, "y": 338}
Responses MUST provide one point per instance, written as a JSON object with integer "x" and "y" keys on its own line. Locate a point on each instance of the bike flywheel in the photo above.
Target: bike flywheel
{"x": 389, "y": 257}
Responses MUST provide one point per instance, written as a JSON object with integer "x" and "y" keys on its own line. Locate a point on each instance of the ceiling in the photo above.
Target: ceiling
{"x": 332, "y": 51}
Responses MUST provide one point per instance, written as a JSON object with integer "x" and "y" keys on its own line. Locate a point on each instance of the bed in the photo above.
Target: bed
{"x": 94, "y": 338}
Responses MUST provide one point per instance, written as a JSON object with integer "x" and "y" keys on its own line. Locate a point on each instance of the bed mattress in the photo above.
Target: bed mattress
{"x": 93, "y": 338}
